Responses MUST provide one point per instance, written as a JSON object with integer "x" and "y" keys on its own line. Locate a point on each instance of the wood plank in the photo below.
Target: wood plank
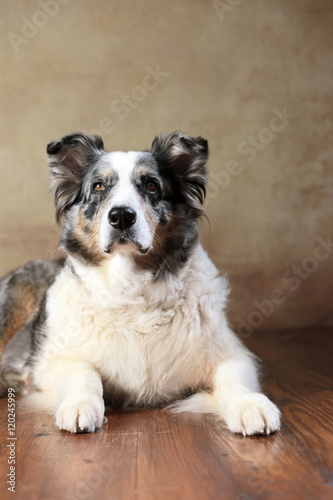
{"x": 153, "y": 454}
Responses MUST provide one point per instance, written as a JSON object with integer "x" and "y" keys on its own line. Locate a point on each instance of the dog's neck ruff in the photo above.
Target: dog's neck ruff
{"x": 119, "y": 282}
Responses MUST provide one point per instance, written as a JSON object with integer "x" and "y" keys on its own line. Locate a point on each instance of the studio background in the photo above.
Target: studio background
{"x": 253, "y": 77}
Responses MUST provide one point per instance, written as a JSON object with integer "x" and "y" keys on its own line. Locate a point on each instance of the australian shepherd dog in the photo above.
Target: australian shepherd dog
{"x": 135, "y": 315}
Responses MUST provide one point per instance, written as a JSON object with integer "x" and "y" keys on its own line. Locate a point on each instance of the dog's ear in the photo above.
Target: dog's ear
{"x": 69, "y": 158}
{"x": 184, "y": 159}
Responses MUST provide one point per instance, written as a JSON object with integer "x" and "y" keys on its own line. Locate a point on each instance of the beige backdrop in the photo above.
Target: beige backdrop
{"x": 253, "y": 77}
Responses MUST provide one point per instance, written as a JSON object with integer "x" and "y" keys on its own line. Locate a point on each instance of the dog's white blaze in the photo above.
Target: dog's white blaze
{"x": 123, "y": 164}
{"x": 125, "y": 194}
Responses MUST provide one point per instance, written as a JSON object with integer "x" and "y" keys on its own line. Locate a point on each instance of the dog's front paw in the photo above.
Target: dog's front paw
{"x": 252, "y": 414}
{"x": 80, "y": 414}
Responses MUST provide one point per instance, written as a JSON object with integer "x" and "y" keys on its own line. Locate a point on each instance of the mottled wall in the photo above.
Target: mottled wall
{"x": 225, "y": 70}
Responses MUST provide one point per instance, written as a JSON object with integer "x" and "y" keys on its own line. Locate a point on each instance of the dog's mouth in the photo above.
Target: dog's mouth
{"x": 126, "y": 240}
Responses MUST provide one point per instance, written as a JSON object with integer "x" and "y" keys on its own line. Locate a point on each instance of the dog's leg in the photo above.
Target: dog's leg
{"x": 241, "y": 404}
{"x": 74, "y": 389}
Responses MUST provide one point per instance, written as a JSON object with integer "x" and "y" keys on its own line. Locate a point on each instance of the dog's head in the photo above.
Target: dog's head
{"x": 145, "y": 203}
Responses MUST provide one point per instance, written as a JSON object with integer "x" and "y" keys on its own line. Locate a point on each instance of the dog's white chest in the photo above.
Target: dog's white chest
{"x": 134, "y": 346}
{"x": 147, "y": 340}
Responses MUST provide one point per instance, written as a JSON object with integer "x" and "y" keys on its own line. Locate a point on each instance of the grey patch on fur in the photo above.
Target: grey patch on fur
{"x": 181, "y": 162}
{"x": 38, "y": 275}
{"x": 13, "y": 364}
{"x": 69, "y": 160}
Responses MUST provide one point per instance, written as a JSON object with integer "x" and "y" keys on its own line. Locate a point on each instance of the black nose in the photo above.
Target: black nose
{"x": 122, "y": 217}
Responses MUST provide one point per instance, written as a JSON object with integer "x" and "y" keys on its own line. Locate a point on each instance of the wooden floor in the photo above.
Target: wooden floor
{"x": 156, "y": 455}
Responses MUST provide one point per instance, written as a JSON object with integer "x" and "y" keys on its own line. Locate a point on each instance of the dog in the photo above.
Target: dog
{"x": 135, "y": 315}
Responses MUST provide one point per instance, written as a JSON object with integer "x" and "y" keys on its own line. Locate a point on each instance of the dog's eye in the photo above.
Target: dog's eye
{"x": 98, "y": 186}
{"x": 151, "y": 186}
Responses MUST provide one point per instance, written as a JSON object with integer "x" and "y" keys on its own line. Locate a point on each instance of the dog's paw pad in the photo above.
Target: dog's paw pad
{"x": 80, "y": 415}
{"x": 251, "y": 414}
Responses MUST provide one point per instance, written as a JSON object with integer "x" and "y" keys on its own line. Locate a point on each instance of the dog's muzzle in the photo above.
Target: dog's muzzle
{"x": 122, "y": 218}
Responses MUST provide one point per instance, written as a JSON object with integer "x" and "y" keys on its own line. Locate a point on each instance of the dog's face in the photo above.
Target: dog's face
{"x": 144, "y": 203}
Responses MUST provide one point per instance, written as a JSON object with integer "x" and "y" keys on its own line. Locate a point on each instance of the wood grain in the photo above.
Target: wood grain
{"x": 156, "y": 455}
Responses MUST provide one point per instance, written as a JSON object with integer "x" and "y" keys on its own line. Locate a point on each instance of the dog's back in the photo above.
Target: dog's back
{"x": 21, "y": 294}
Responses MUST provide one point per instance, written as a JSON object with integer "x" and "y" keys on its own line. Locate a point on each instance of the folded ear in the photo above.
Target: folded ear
{"x": 69, "y": 158}
{"x": 184, "y": 159}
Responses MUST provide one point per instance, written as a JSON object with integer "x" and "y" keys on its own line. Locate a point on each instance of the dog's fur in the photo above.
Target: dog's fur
{"x": 135, "y": 315}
